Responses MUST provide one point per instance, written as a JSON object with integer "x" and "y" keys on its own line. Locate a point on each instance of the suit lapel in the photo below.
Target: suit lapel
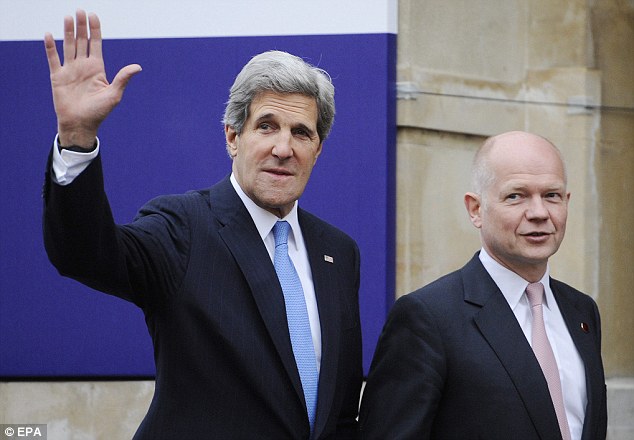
{"x": 243, "y": 240}
{"x": 499, "y": 327}
{"x": 585, "y": 343}
{"x": 326, "y": 291}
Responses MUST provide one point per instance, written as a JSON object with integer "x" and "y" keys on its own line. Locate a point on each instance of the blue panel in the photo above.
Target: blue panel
{"x": 166, "y": 137}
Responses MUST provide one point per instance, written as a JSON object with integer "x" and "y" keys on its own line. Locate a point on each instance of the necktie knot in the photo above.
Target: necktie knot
{"x": 535, "y": 294}
{"x": 280, "y": 232}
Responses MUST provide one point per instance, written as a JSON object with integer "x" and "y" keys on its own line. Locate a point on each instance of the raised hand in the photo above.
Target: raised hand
{"x": 81, "y": 93}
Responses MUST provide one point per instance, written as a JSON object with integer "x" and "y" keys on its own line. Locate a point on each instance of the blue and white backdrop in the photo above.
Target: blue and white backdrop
{"x": 166, "y": 137}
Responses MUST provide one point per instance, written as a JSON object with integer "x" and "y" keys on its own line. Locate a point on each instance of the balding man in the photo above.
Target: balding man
{"x": 497, "y": 349}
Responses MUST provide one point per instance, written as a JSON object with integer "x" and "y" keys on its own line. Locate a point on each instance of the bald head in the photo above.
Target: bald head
{"x": 520, "y": 203}
{"x": 519, "y": 146}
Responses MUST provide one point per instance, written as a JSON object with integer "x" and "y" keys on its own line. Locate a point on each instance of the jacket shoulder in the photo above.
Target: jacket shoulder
{"x": 311, "y": 224}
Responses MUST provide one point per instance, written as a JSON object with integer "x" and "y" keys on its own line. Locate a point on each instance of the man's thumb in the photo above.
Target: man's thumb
{"x": 124, "y": 75}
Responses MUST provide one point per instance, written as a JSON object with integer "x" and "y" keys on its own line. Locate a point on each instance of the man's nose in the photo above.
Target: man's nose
{"x": 283, "y": 148}
{"x": 537, "y": 209}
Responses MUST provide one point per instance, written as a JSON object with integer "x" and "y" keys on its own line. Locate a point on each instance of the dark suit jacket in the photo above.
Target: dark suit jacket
{"x": 197, "y": 267}
{"x": 452, "y": 363}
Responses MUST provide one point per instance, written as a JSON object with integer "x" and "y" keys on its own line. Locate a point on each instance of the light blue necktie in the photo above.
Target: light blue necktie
{"x": 297, "y": 315}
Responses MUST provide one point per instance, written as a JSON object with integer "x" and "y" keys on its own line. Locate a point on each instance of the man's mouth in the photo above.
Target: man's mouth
{"x": 279, "y": 172}
{"x": 537, "y": 236}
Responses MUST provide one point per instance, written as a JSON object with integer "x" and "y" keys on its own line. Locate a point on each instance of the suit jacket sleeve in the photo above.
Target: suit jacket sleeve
{"x": 347, "y": 425}
{"x": 406, "y": 378}
{"x": 84, "y": 243}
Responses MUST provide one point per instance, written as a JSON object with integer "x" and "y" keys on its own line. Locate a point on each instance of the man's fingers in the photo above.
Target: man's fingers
{"x": 95, "y": 35}
{"x": 51, "y": 53}
{"x": 69, "y": 39}
{"x": 81, "y": 40}
{"x": 78, "y": 43}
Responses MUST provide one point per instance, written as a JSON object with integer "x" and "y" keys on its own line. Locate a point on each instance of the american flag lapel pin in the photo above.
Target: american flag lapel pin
{"x": 329, "y": 259}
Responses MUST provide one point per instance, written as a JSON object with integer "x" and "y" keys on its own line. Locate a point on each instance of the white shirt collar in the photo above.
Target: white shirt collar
{"x": 511, "y": 284}
{"x": 265, "y": 220}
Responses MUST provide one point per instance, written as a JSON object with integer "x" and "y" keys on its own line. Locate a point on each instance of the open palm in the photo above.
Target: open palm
{"x": 82, "y": 95}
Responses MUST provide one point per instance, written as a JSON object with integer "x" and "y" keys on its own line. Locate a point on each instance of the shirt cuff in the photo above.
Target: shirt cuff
{"x": 67, "y": 165}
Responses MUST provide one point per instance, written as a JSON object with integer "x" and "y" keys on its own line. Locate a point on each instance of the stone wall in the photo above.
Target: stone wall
{"x": 562, "y": 69}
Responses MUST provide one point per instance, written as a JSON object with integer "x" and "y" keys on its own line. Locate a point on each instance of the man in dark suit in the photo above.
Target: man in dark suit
{"x": 461, "y": 358}
{"x": 203, "y": 266}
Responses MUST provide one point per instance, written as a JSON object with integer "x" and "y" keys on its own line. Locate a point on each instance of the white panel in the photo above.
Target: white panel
{"x": 30, "y": 19}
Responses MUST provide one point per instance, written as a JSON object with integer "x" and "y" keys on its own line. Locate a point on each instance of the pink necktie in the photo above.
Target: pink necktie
{"x": 545, "y": 357}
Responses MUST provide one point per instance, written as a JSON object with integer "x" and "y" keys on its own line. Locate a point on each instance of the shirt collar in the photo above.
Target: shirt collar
{"x": 265, "y": 220}
{"x": 511, "y": 284}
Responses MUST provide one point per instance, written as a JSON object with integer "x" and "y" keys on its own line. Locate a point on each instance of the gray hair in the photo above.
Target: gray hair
{"x": 481, "y": 174}
{"x": 280, "y": 72}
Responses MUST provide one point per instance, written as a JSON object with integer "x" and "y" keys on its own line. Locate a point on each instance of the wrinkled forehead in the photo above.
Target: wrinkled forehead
{"x": 529, "y": 183}
{"x": 294, "y": 105}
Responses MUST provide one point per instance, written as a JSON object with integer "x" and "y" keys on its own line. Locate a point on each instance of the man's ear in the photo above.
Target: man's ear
{"x": 473, "y": 203}
{"x": 231, "y": 136}
{"x": 318, "y": 152}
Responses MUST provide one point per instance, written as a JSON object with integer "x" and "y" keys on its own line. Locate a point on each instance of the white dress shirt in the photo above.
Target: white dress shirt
{"x": 571, "y": 369}
{"x": 67, "y": 165}
{"x": 264, "y": 222}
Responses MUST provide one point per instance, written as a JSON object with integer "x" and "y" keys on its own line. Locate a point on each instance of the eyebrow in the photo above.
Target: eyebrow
{"x": 309, "y": 130}
{"x": 523, "y": 187}
{"x": 269, "y": 116}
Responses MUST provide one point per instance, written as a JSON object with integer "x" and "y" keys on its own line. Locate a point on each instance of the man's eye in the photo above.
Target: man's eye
{"x": 513, "y": 196}
{"x": 264, "y": 126}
